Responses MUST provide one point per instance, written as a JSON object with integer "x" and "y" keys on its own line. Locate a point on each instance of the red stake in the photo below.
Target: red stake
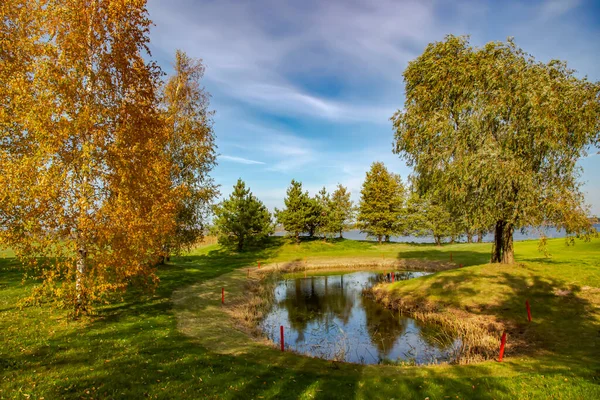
{"x": 282, "y": 340}
{"x": 459, "y": 265}
{"x": 528, "y": 310}
{"x": 392, "y": 277}
{"x": 222, "y": 295}
{"x": 502, "y": 344}
{"x": 259, "y": 265}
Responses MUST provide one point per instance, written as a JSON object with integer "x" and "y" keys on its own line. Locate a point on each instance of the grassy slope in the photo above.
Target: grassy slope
{"x": 134, "y": 349}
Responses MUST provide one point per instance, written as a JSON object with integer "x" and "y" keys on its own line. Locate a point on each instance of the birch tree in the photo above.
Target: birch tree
{"x": 85, "y": 192}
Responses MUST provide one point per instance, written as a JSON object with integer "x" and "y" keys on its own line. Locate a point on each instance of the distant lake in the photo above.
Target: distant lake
{"x": 549, "y": 232}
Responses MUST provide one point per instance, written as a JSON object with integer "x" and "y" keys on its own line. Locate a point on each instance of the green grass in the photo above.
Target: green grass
{"x": 149, "y": 346}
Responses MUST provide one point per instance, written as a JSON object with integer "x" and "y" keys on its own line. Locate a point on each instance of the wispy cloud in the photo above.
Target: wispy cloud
{"x": 556, "y": 8}
{"x": 306, "y": 89}
{"x": 240, "y": 160}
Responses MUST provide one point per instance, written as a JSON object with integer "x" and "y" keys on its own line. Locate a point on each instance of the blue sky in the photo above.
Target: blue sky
{"x": 305, "y": 89}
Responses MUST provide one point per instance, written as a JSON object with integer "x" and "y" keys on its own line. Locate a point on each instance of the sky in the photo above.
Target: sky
{"x": 305, "y": 89}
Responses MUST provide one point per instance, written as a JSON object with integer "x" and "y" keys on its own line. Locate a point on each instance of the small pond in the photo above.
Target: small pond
{"x": 328, "y": 317}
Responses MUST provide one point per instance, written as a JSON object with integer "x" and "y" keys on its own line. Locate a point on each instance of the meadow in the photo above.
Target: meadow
{"x": 180, "y": 342}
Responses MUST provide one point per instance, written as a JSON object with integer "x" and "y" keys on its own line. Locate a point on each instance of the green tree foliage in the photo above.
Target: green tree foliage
{"x": 380, "y": 212}
{"x": 494, "y": 127}
{"x": 315, "y": 214}
{"x": 426, "y": 217}
{"x": 293, "y": 216}
{"x": 324, "y": 223}
{"x": 191, "y": 149}
{"x": 341, "y": 211}
{"x": 242, "y": 219}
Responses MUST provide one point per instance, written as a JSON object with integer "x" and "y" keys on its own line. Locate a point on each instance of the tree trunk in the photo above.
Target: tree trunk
{"x": 80, "y": 274}
{"x": 502, "y": 250}
{"x": 387, "y": 238}
{"x": 240, "y": 243}
{"x": 508, "y": 253}
{"x": 438, "y": 240}
{"x": 469, "y": 237}
{"x": 297, "y": 237}
{"x": 341, "y": 236}
{"x": 379, "y": 237}
{"x": 480, "y": 237}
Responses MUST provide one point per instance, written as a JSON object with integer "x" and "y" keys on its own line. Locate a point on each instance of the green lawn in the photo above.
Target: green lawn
{"x": 151, "y": 346}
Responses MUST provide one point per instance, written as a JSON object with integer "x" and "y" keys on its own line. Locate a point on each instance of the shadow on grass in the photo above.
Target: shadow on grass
{"x": 134, "y": 350}
{"x": 564, "y": 324}
{"x": 435, "y": 253}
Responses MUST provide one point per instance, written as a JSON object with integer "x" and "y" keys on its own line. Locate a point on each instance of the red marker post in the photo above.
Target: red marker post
{"x": 502, "y": 344}
{"x": 259, "y": 265}
{"x": 282, "y": 340}
{"x": 393, "y": 277}
{"x": 528, "y": 310}
{"x": 222, "y": 295}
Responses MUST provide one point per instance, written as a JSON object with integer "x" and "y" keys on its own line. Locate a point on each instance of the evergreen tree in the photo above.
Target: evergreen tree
{"x": 324, "y": 228}
{"x": 314, "y": 217}
{"x": 381, "y": 203}
{"x": 341, "y": 211}
{"x": 242, "y": 219}
{"x": 293, "y": 216}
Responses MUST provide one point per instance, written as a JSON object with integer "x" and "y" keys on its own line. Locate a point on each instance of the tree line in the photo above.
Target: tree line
{"x": 387, "y": 208}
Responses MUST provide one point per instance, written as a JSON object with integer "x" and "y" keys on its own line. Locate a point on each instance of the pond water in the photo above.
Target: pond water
{"x": 527, "y": 234}
{"x": 328, "y": 317}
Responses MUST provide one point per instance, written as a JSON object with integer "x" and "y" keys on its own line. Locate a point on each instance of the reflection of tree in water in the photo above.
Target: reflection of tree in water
{"x": 316, "y": 299}
{"x": 383, "y": 327}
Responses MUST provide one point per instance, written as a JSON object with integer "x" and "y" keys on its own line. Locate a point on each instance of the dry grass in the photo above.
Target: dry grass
{"x": 356, "y": 263}
{"x": 479, "y": 335}
{"x": 258, "y": 297}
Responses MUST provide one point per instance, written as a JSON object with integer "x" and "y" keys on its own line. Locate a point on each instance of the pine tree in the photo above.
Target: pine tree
{"x": 242, "y": 219}
{"x": 381, "y": 203}
{"x": 293, "y": 216}
{"x": 341, "y": 211}
{"x": 324, "y": 221}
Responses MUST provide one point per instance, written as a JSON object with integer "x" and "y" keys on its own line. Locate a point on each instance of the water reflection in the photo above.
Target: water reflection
{"x": 327, "y": 317}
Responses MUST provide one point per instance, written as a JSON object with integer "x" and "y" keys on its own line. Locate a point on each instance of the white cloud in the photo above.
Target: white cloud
{"x": 239, "y": 160}
{"x": 556, "y": 8}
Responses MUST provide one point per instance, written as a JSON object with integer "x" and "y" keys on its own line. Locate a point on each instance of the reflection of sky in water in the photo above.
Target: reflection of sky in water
{"x": 327, "y": 316}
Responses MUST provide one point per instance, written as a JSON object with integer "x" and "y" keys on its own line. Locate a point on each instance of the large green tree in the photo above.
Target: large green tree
{"x": 341, "y": 210}
{"x": 427, "y": 217}
{"x": 494, "y": 125}
{"x": 381, "y": 206}
{"x": 191, "y": 149}
{"x": 293, "y": 216}
{"x": 242, "y": 219}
